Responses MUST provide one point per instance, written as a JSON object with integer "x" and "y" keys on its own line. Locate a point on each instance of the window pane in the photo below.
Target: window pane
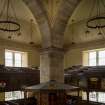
{"x": 92, "y": 55}
{"x": 101, "y": 97}
{"x": 92, "y": 62}
{"x": 101, "y": 61}
{"x": 8, "y": 96}
{"x": 15, "y": 58}
{"x": 14, "y": 95}
{"x": 84, "y": 95}
{"x": 101, "y": 58}
{"x": 92, "y": 58}
{"x": 101, "y": 54}
{"x": 92, "y": 96}
{"x": 8, "y": 58}
{"x": 18, "y": 60}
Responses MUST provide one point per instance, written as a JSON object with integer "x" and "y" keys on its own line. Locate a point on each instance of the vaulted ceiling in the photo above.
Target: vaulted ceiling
{"x": 24, "y": 16}
{"x": 75, "y": 30}
{"x": 51, "y": 7}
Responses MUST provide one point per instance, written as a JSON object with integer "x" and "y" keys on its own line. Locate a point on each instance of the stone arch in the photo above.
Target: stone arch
{"x": 65, "y": 11}
{"x": 39, "y": 13}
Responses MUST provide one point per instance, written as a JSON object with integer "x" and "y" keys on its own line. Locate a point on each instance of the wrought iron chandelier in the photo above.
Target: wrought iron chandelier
{"x": 8, "y": 18}
{"x": 96, "y": 17}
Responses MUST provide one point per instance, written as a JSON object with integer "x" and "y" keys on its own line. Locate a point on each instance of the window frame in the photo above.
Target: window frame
{"x": 13, "y": 58}
{"x": 13, "y": 95}
{"x": 97, "y": 98}
{"x": 86, "y": 53}
{"x": 89, "y": 59}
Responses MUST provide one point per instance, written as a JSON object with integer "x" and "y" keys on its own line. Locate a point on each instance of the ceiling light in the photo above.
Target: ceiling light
{"x": 99, "y": 33}
{"x": 72, "y": 43}
{"x": 9, "y": 37}
{"x": 31, "y": 43}
{"x": 87, "y": 31}
{"x": 96, "y": 19}
{"x": 19, "y": 34}
{"x": 8, "y": 18}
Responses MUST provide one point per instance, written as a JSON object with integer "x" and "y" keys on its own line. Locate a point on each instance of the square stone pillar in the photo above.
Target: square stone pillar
{"x": 52, "y": 65}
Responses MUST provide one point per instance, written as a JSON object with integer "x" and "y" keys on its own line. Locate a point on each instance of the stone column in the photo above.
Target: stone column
{"x": 52, "y": 64}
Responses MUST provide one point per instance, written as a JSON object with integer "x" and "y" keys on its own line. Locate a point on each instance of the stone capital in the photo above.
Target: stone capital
{"x": 52, "y": 50}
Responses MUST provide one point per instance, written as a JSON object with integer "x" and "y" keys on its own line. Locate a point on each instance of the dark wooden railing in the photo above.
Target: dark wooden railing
{"x": 17, "y": 77}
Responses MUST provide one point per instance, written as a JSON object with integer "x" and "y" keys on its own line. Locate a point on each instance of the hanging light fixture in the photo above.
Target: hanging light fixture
{"x": 96, "y": 19}
{"x": 31, "y": 32}
{"x": 8, "y": 19}
{"x": 87, "y": 31}
{"x": 72, "y": 31}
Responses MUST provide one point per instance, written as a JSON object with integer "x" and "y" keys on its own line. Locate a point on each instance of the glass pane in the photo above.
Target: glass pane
{"x": 8, "y": 96}
{"x": 8, "y": 58}
{"x": 84, "y": 96}
{"x": 92, "y": 58}
{"x": 17, "y": 56}
{"x": 14, "y": 95}
{"x": 9, "y": 62}
{"x": 102, "y": 61}
{"x": 101, "y": 58}
{"x": 17, "y": 63}
{"x": 92, "y": 55}
{"x": 101, "y": 54}
{"x": 92, "y": 62}
{"x": 92, "y": 96}
{"x": 101, "y": 97}
{"x": 18, "y": 60}
{"x": 22, "y": 94}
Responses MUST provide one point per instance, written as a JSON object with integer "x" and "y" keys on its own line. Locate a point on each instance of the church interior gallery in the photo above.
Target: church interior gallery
{"x": 52, "y": 52}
